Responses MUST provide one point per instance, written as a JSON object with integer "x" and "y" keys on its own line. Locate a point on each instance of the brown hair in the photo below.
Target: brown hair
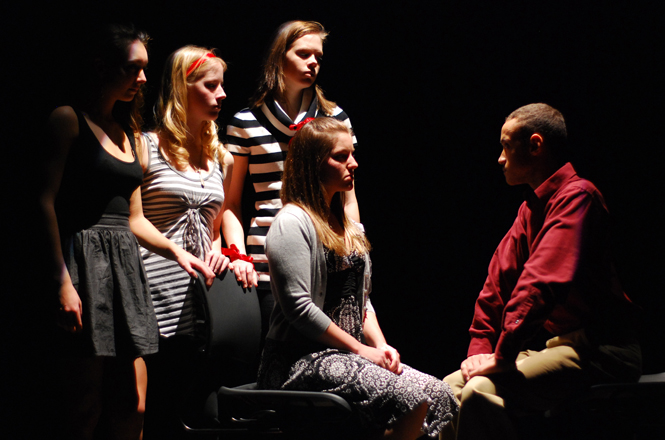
{"x": 272, "y": 78}
{"x": 109, "y": 49}
{"x": 302, "y": 185}
{"x": 542, "y": 119}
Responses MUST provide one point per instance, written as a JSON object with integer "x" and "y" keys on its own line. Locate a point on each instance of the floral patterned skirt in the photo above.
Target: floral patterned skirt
{"x": 377, "y": 395}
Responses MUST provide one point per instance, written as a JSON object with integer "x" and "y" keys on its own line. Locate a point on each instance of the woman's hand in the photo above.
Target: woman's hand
{"x": 375, "y": 355}
{"x": 245, "y": 273}
{"x": 394, "y": 358}
{"x": 217, "y": 262}
{"x": 69, "y": 314}
{"x": 191, "y": 264}
{"x": 383, "y": 357}
{"x": 374, "y": 337}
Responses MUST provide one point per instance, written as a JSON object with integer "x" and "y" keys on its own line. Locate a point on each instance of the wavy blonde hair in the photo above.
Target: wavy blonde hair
{"x": 302, "y": 184}
{"x": 272, "y": 78}
{"x": 171, "y": 106}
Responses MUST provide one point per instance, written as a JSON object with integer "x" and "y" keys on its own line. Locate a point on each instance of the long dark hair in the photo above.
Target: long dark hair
{"x": 105, "y": 55}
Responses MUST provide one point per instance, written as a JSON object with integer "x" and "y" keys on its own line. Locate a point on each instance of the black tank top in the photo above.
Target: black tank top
{"x": 94, "y": 182}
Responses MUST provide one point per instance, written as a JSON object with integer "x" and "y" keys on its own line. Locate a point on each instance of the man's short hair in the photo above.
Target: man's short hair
{"x": 542, "y": 119}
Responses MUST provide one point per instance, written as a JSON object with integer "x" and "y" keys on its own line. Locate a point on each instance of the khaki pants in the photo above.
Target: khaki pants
{"x": 542, "y": 380}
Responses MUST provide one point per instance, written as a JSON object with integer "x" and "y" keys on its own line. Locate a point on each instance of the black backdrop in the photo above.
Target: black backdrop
{"x": 427, "y": 85}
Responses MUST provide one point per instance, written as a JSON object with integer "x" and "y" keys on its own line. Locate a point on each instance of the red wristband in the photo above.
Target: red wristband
{"x": 234, "y": 254}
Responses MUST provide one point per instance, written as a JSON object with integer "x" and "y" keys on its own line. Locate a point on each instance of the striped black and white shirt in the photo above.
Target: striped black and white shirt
{"x": 263, "y": 134}
{"x": 183, "y": 206}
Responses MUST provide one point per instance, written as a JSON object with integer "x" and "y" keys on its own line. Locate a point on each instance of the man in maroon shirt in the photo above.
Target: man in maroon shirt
{"x": 551, "y": 272}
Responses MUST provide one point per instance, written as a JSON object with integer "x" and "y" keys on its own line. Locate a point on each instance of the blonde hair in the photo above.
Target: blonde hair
{"x": 302, "y": 185}
{"x": 171, "y": 106}
{"x": 272, "y": 79}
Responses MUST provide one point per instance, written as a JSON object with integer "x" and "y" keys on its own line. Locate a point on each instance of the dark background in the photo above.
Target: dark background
{"x": 427, "y": 86}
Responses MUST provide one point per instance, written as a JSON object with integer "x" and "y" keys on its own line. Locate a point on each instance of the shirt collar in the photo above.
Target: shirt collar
{"x": 546, "y": 190}
{"x": 308, "y": 107}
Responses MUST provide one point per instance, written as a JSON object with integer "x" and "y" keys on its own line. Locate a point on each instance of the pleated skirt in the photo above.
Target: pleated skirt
{"x": 107, "y": 271}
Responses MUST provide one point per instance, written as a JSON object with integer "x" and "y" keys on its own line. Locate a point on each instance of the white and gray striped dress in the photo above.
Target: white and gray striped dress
{"x": 263, "y": 134}
{"x": 184, "y": 210}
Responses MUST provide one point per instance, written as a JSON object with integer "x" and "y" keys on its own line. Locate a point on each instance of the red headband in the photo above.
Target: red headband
{"x": 198, "y": 62}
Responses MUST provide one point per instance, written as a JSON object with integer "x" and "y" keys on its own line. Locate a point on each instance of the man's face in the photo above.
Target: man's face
{"x": 515, "y": 159}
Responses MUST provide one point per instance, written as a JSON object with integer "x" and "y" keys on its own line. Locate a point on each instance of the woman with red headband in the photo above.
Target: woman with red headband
{"x": 94, "y": 205}
{"x": 258, "y": 136}
{"x": 186, "y": 174}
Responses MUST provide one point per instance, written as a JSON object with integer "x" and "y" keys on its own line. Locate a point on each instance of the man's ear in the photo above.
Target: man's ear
{"x": 536, "y": 144}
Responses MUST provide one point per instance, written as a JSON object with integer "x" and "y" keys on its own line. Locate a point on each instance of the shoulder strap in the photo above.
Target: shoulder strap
{"x": 152, "y": 147}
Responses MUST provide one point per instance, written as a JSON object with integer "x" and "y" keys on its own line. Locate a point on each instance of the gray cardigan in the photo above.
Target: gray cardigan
{"x": 298, "y": 277}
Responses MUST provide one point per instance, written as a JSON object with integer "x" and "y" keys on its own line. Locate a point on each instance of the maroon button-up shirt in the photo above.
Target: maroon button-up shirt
{"x": 552, "y": 269}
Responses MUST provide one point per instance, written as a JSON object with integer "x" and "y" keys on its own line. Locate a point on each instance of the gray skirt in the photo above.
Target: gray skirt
{"x": 107, "y": 271}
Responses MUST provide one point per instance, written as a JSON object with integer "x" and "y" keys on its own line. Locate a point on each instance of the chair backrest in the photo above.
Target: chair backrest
{"x": 234, "y": 324}
{"x": 233, "y": 320}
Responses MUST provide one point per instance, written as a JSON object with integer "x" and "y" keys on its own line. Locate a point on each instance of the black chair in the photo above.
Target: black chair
{"x": 613, "y": 411}
{"x": 624, "y": 410}
{"x": 233, "y": 325}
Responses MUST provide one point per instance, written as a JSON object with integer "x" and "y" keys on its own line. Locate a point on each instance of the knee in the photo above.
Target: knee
{"x": 454, "y": 379}
{"x": 477, "y": 388}
{"x": 80, "y": 420}
{"x": 88, "y": 414}
{"x": 456, "y": 382}
{"x": 131, "y": 402}
{"x": 140, "y": 407}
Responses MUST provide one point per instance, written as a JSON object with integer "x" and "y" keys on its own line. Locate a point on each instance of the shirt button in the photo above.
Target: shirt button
{"x": 517, "y": 321}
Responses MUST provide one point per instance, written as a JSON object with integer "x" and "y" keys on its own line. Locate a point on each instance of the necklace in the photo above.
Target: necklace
{"x": 201, "y": 178}
{"x": 198, "y": 170}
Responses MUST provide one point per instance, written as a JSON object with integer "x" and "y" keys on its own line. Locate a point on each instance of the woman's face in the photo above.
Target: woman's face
{"x": 302, "y": 62}
{"x": 132, "y": 73}
{"x": 337, "y": 171}
{"x": 205, "y": 95}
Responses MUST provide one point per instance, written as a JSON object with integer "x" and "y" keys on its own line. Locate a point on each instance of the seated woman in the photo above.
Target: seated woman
{"x": 324, "y": 335}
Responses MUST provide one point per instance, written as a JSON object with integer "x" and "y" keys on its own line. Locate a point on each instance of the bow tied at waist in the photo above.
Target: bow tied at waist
{"x": 192, "y": 235}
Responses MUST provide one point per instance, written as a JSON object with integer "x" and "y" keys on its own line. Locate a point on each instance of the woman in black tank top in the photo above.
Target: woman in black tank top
{"x": 106, "y": 319}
